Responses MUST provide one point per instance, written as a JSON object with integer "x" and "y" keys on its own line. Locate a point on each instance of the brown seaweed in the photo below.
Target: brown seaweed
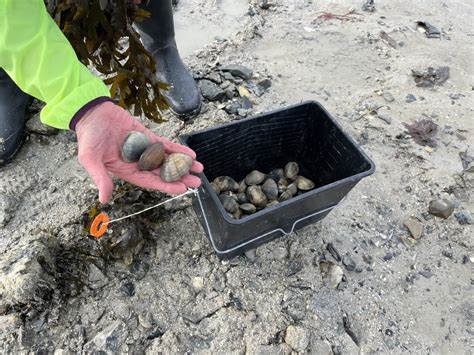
{"x": 423, "y": 132}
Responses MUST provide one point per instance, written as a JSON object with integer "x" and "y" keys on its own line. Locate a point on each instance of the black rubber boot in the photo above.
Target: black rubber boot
{"x": 13, "y": 103}
{"x": 157, "y": 34}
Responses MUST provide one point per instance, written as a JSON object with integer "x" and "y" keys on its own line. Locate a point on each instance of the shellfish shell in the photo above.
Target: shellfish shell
{"x": 248, "y": 208}
{"x": 256, "y": 196}
{"x": 226, "y": 183}
{"x": 255, "y": 177}
{"x": 291, "y": 170}
{"x": 270, "y": 189}
{"x": 134, "y": 145}
{"x": 286, "y": 195}
{"x": 229, "y": 204}
{"x": 152, "y": 157}
{"x": 176, "y": 165}
{"x": 304, "y": 183}
{"x": 276, "y": 174}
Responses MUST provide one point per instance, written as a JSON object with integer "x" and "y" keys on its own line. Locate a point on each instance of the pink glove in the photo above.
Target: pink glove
{"x": 100, "y": 135}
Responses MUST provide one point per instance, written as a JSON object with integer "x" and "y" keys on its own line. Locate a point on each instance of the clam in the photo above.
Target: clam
{"x": 229, "y": 204}
{"x": 215, "y": 187}
{"x": 273, "y": 203}
{"x": 134, "y": 145}
{"x": 276, "y": 174}
{"x": 304, "y": 183}
{"x": 152, "y": 157}
{"x": 293, "y": 188}
{"x": 256, "y": 196}
{"x": 176, "y": 165}
{"x": 231, "y": 195}
{"x": 254, "y": 178}
{"x": 291, "y": 170}
{"x": 270, "y": 189}
{"x": 282, "y": 184}
{"x": 226, "y": 183}
{"x": 286, "y": 195}
{"x": 237, "y": 214}
{"x": 242, "y": 197}
{"x": 248, "y": 208}
{"x": 242, "y": 186}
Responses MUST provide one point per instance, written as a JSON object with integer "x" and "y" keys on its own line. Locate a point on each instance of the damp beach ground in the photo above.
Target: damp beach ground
{"x": 403, "y": 276}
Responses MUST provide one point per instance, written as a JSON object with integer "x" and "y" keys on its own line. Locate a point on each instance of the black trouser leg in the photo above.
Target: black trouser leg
{"x": 157, "y": 33}
{"x": 12, "y": 117}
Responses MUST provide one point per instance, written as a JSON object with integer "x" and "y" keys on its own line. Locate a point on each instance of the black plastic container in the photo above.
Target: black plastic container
{"x": 305, "y": 133}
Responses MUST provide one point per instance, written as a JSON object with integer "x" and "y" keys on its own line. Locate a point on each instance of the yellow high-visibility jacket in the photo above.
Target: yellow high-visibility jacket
{"x": 40, "y": 60}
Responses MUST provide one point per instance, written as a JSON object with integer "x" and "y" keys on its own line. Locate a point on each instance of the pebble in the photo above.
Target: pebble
{"x": 426, "y": 274}
{"x": 415, "y": 227}
{"x": 128, "y": 289}
{"x": 246, "y": 103}
{"x": 108, "y": 340}
{"x": 238, "y": 70}
{"x": 441, "y": 208}
{"x": 410, "y": 98}
{"x": 211, "y": 90}
{"x": 464, "y": 217}
{"x": 145, "y": 320}
{"x": 348, "y": 263}
{"x": 251, "y": 254}
{"x": 34, "y": 125}
{"x": 384, "y": 117}
{"x": 294, "y": 267}
{"x": 332, "y": 274}
{"x": 280, "y": 253}
{"x": 388, "y": 97}
{"x": 198, "y": 283}
{"x": 297, "y": 337}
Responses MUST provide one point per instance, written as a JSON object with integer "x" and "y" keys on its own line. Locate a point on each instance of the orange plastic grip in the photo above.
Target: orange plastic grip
{"x": 99, "y": 225}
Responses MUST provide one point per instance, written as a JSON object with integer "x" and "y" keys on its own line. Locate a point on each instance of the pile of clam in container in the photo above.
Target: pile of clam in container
{"x": 258, "y": 190}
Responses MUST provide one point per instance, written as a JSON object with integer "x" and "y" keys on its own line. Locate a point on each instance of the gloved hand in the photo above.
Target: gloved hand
{"x": 100, "y": 135}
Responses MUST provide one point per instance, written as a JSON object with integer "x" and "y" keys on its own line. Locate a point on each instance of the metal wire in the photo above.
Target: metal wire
{"x": 190, "y": 191}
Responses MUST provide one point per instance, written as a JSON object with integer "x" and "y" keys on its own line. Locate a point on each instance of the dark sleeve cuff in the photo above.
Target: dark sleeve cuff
{"x": 85, "y": 108}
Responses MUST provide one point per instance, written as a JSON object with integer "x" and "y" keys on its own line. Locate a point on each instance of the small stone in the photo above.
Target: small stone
{"x": 384, "y": 117}
{"x": 265, "y": 83}
{"x": 388, "y": 256}
{"x": 280, "y": 253}
{"x": 426, "y": 274}
{"x": 441, "y": 208}
{"x": 388, "y": 96}
{"x": 294, "y": 267}
{"x": 415, "y": 227}
{"x": 469, "y": 167}
{"x": 34, "y": 125}
{"x": 332, "y": 274}
{"x": 246, "y": 103}
{"x": 348, "y": 263}
{"x": 243, "y": 92}
{"x": 297, "y": 337}
{"x": 251, "y": 254}
{"x": 368, "y": 6}
{"x": 238, "y": 70}
{"x": 145, "y": 320}
{"x": 96, "y": 278}
{"x": 211, "y": 90}
{"x": 410, "y": 98}
{"x": 108, "y": 340}
{"x": 128, "y": 289}
{"x": 198, "y": 283}
{"x": 464, "y": 217}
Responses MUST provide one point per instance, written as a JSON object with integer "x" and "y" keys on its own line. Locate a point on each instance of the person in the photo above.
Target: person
{"x": 36, "y": 59}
